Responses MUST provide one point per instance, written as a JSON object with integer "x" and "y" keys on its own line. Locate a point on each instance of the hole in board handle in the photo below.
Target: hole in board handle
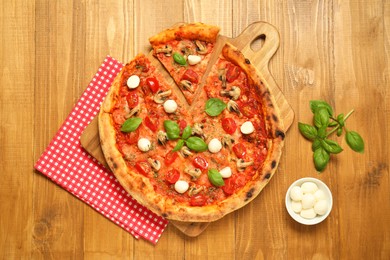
{"x": 258, "y": 43}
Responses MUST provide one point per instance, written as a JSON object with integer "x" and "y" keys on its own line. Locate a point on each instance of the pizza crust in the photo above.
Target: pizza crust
{"x": 192, "y": 31}
{"x": 141, "y": 189}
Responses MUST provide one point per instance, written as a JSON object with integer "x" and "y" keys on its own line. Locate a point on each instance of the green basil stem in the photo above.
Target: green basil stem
{"x": 338, "y": 126}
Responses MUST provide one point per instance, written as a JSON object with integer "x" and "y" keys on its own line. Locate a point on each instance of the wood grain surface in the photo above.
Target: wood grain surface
{"x": 333, "y": 50}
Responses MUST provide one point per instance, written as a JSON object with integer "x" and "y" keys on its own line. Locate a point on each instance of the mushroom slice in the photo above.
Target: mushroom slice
{"x": 194, "y": 172}
{"x": 197, "y": 129}
{"x": 162, "y": 137}
{"x": 133, "y": 112}
{"x": 233, "y": 93}
{"x": 186, "y": 51}
{"x": 156, "y": 165}
{"x": 167, "y": 50}
{"x": 227, "y": 141}
{"x": 241, "y": 164}
{"x": 187, "y": 85}
{"x": 201, "y": 49}
{"x": 232, "y": 106}
{"x": 161, "y": 96}
{"x": 193, "y": 190}
{"x": 185, "y": 151}
{"x": 222, "y": 77}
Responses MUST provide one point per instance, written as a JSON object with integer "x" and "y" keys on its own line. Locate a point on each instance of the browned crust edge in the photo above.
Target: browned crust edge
{"x": 192, "y": 31}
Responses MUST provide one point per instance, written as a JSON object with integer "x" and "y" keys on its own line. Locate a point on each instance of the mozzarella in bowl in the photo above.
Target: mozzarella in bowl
{"x": 309, "y": 201}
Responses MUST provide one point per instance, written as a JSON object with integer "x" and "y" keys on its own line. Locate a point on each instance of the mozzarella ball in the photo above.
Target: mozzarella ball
{"x": 296, "y": 206}
{"x": 321, "y": 207}
{"x": 193, "y": 59}
{"x": 296, "y": 193}
{"x": 133, "y": 81}
{"x": 247, "y": 128}
{"x": 308, "y": 213}
{"x": 181, "y": 186}
{"x": 320, "y": 195}
{"x": 144, "y": 144}
{"x": 215, "y": 145}
{"x": 309, "y": 187}
{"x": 308, "y": 201}
{"x": 170, "y": 106}
{"x": 226, "y": 172}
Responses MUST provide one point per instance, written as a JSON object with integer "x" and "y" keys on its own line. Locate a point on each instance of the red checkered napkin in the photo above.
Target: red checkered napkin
{"x": 70, "y": 166}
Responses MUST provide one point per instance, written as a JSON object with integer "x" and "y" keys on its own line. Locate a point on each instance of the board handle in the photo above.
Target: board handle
{"x": 267, "y": 34}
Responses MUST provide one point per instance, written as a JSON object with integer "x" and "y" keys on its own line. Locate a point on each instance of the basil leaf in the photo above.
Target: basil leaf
{"x": 316, "y": 144}
{"x": 355, "y": 141}
{"x": 308, "y": 131}
{"x": 178, "y": 146}
{"x": 131, "y": 124}
{"x": 340, "y": 119}
{"x": 331, "y": 146}
{"x": 333, "y": 123}
{"x": 172, "y": 129}
{"x": 178, "y": 58}
{"x": 321, "y": 159}
{"x": 315, "y": 105}
{"x": 322, "y": 131}
{"x": 339, "y": 131}
{"x": 321, "y": 117}
{"x": 215, "y": 177}
{"x": 214, "y": 106}
{"x": 186, "y": 132}
{"x": 196, "y": 144}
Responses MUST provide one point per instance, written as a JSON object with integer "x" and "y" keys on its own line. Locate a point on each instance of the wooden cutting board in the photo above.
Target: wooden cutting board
{"x": 258, "y": 42}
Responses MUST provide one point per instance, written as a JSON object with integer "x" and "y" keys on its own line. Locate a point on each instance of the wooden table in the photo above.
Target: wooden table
{"x": 338, "y": 51}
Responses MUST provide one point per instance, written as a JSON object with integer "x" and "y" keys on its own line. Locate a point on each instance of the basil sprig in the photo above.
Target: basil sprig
{"x": 215, "y": 177}
{"x": 196, "y": 144}
{"x": 325, "y": 124}
{"x": 172, "y": 129}
{"x": 214, "y": 106}
{"x": 131, "y": 124}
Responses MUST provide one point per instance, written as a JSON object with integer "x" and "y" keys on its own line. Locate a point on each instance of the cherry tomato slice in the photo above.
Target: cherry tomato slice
{"x": 232, "y": 73}
{"x": 233, "y": 183}
{"x": 182, "y": 124}
{"x": 170, "y": 158}
{"x": 152, "y": 124}
{"x": 228, "y": 188}
{"x": 240, "y": 150}
{"x": 132, "y": 99}
{"x": 132, "y": 137}
{"x": 143, "y": 167}
{"x": 190, "y": 75}
{"x": 198, "y": 200}
{"x": 172, "y": 176}
{"x": 200, "y": 162}
{"x": 153, "y": 84}
{"x": 229, "y": 125}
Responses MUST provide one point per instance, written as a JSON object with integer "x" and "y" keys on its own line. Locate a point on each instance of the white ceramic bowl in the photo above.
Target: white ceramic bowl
{"x": 322, "y": 186}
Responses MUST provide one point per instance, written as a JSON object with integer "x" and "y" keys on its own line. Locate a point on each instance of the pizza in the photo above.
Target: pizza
{"x": 185, "y": 52}
{"x": 192, "y": 162}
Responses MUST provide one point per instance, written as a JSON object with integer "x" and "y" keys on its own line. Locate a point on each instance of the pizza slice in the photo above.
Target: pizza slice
{"x": 185, "y": 51}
